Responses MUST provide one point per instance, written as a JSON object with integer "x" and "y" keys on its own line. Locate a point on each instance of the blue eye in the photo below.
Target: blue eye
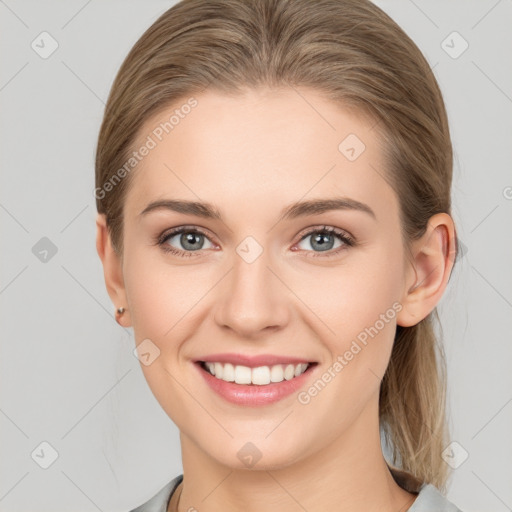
{"x": 192, "y": 241}
{"x": 323, "y": 240}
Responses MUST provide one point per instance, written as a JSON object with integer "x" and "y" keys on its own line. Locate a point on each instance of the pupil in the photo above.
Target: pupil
{"x": 189, "y": 239}
{"x": 322, "y": 240}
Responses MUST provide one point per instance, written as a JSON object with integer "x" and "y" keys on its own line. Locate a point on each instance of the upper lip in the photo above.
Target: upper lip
{"x": 252, "y": 361}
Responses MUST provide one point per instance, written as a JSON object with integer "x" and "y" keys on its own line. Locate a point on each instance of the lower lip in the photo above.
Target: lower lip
{"x": 253, "y": 394}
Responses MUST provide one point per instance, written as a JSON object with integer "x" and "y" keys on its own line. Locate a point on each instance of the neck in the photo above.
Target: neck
{"x": 348, "y": 474}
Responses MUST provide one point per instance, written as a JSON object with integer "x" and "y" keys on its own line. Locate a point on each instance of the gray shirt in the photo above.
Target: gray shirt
{"x": 429, "y": 499}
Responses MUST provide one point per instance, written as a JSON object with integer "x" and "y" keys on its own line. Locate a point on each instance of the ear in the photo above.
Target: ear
{"x": 112, "y": 269}
{"x": 428, "y": 272}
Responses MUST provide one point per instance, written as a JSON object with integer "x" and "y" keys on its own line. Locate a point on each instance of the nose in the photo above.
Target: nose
{"x": 251, "y": 300}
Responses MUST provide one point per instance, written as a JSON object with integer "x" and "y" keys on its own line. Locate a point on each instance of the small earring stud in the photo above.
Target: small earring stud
{"x": 120, "y": 310}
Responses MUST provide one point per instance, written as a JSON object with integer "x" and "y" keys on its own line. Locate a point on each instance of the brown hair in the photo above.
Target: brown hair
{"x": 356, "y": 55}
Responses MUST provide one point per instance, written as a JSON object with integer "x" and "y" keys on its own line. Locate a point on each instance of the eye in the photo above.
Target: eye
{"x": 323, "y": 240}
{"x": 188, "y": 240}
{"x": 185, "y": 241}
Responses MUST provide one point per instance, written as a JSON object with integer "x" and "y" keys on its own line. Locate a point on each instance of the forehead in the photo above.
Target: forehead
{"x": 264, "y": 147}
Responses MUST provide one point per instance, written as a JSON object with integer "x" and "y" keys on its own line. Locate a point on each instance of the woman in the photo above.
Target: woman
{"x": 273, "y": 190}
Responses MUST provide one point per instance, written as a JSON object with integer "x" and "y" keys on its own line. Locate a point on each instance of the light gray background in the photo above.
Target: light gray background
{"x": 68, "y": 374}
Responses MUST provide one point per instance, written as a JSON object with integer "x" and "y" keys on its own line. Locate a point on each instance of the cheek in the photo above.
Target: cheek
{"x": 350, "y": 297}
{"x": 163, "y": 298}
{"x": 163, "y": 301}
{"x": 357, "y": 304}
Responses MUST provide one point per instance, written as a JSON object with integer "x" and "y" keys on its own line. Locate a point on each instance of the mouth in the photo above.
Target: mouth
{"x": 255, "y": 386}
{"x": 263, "y": 375}
{"x": 254, "y": 379}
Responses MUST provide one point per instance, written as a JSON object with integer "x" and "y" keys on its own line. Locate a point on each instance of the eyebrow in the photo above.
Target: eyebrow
{"x": 293, "y": 211}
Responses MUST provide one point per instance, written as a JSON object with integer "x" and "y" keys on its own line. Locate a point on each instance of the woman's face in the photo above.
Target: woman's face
{"x": 259, "y": 282}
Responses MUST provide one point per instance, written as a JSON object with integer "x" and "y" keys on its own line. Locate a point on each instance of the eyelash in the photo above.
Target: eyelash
{"x": 347, "y": 240}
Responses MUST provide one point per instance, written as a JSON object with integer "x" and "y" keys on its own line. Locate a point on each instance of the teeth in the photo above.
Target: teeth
{"x": 242, "y": 374}
{"x": 289, "y": 372}
{"x": 228, "y": 373}
{"x": 219, "y": 370}
{"x": 260, "y": 376}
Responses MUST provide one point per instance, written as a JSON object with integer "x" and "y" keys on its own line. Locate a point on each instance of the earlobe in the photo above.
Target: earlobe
{"x": 429, "y": 270}
{"x": 112, "y": 271}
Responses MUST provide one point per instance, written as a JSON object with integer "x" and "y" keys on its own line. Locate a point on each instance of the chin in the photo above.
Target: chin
{"x": 257, "y": 455}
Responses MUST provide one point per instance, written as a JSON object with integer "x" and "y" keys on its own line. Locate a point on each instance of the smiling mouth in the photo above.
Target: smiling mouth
{"x": 256, "y": 376}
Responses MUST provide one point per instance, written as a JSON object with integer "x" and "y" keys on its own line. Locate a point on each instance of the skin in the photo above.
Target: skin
{"x": 251, "y": 155}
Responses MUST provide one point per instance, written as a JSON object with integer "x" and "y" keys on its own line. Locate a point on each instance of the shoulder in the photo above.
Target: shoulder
{"x": 431, "y": 500}
{"x": 159, "y": 502}
{"x": 428, "y": 498}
